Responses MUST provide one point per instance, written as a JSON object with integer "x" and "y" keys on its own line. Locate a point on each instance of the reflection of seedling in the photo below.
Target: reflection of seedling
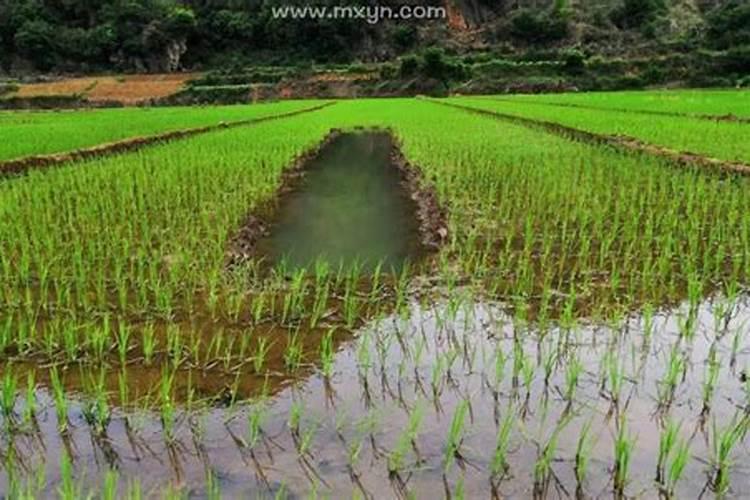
{"x": 710, "y": 379}
{"x": 583, "y": 453}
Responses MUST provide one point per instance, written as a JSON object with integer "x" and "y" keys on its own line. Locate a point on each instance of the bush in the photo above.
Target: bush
{"x": 409, "y": 66}
{"x": 729, "y": 24}
{"x": 574, "y": 61}
{"x": 539, "y": 27}
{"x": 220, "y": 94}
{"x": 7, "y": 87}
{"x": 636, "y": 13}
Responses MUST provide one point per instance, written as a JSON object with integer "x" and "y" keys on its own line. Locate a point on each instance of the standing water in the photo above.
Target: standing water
{"x": 350, "y": 208}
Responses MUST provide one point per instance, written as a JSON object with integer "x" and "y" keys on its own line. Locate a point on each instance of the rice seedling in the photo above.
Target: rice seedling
{"x": 724, "y": 440}
{"x": 455, "y": 435}
{"x": 677, "y": 465}
{"x": 624, "y": 446}
{"x": 500, "y": 464}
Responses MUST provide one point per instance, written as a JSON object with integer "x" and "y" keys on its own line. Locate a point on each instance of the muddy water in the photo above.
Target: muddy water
{"x": 350, "y": 207}
{"x": 430, "y": 360}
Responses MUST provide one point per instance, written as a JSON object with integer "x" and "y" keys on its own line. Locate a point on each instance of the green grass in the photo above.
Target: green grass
{"x": 25, "y": 133}
{"x": 722, "y": 140}
{"x": 696, "y": 102}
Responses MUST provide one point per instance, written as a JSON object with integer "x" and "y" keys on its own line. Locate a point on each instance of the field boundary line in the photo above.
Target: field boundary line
{"x": 728, "y": 118}
{"x": 621, "y": 142}
{"x": 22, "y": 165}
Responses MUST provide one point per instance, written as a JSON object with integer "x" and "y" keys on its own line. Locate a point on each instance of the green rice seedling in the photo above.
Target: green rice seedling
{"x": 293, "y": 352}
{"x": 96, "y": 410}
{"x": 455, "y": 435}
{"x": 261, "y": 350}
{"x": 109, "y": 488}
{"x": 572, "y": 377}
{"x": 500, "y": 465}
{"x": 667, "y": 441}
{"x": 68, "y": 489}
{"x": 8, "y": 396}
{"x": 61, "y": 402}
{"x": 327, "y": 353}
{"x": 624, "y": 446}
{"x": 615, "y": 376}
{"x": 677, "y": 465}
{"x": 672, "y": 377}
{"x": 407, "y": 439}
{"x": 30, "y": 403}
{"x": 123, "y": 342}
{"x": 295, "y": 416}
{"x": 255, "y": 421}
{"x": 148, "y": 343}
{"x": 724, "y": 440}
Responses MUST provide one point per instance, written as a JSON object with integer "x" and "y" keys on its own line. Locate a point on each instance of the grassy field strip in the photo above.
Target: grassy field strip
{"x": 674, "y": 114}
{"x": 27, "y": 133}
{"x": 722, "y": 104}
{"x": 21, "y": 165}
{"x": 621, "y": 142}
{"x": 721, "y": 140}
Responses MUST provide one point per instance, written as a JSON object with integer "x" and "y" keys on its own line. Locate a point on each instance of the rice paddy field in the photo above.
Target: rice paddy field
{"x": 391, "y": 298}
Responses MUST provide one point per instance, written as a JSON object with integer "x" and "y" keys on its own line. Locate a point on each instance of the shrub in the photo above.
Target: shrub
{"x": 409, "y": 66}
{"x": 539, "y": 27}
{"x": 574, "y": 61}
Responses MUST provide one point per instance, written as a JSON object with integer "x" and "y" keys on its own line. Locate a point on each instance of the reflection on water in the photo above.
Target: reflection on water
{"x": 356, "y": 432}
{"x": 350, "y": 207}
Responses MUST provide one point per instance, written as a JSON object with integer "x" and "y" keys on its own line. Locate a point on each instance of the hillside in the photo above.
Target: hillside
{"x": 472, "y": 46}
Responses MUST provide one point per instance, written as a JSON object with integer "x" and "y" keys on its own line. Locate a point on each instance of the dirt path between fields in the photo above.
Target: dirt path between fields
{"x": 22, "y": 165}
{"x": 621, "y": 142}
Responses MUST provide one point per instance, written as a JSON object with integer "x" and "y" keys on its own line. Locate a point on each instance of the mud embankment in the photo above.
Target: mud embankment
{"x": 22, "y": 165}
{"x": 620, "y": 142}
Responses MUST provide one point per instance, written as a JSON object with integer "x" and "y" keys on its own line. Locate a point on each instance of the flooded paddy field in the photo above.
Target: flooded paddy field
{"x": 358, "y": 302}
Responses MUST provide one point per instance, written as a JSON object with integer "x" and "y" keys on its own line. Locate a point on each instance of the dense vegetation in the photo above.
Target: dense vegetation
{"x": 167, "y": 35}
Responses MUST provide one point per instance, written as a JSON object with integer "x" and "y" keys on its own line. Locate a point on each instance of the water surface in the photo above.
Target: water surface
{"x": 350, "y": 207}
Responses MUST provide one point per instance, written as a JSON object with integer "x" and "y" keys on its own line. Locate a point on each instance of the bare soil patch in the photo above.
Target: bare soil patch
{"x": 129, "y": 89}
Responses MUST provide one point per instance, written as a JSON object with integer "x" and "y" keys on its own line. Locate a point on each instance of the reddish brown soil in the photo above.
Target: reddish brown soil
{"x": 130, "y": 89}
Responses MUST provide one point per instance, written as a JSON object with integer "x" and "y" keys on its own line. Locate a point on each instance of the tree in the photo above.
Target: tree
{"x": 636, "y": 13}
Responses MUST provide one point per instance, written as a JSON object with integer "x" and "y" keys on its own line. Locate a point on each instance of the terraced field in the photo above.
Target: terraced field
{"x": 723, "y": 104}
{"x": 554, "y": 318}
